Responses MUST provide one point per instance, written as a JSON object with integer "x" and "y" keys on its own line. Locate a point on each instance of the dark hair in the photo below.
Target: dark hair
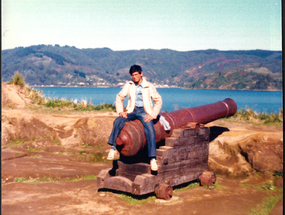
{"x": 135, "y": 68}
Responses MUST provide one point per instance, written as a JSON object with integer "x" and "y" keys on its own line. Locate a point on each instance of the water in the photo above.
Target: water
{"x": 267, "y": 101}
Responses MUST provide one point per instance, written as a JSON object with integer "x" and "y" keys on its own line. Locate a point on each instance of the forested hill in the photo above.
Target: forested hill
{"x": 203, "y": 69}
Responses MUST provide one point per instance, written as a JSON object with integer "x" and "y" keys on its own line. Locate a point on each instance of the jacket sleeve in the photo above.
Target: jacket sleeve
{"x": 120, "y": 98}
{"x": 157, "y": 101}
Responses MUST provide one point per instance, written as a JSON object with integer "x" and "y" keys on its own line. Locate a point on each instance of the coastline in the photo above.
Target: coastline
{"x": 157, "y": 86}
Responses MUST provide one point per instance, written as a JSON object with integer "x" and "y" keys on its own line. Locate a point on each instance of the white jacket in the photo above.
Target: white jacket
{"x": 149, "y": 93}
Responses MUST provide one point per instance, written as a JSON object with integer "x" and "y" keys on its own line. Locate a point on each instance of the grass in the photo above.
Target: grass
{"x": 248, "y": 115}
{"x": 267, "y": 205}
{"x": 16, "y": 143}
{"x": 185, "y": 188}
{"x": 33, "y": 149}
{"x": 217, "y": 186}
{"x": 136, "y": 201}
{"x": 51, "y": 179}
{"x": 21, "y": 179}
{"x": 278, "y": 174}
{"x": 83, "y": 178}
{"x": 92, "y": 157}
{"x": 132, "y": 200}
{"x": 37, "y": 97}
{"x": 91, "y": 147}
{"x": 274, "y": 194}
{"x": 72, "y": 105}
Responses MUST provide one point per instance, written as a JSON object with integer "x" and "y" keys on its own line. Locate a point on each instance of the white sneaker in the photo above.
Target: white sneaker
{"x": 153, "y": 165}
{"x": 111, "y": 155}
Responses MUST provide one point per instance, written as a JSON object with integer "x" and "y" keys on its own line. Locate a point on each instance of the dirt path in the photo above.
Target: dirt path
{"x": 83, "y": 197}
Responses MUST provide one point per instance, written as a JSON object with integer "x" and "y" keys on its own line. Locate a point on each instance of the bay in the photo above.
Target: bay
{"x": 175, "y": 98}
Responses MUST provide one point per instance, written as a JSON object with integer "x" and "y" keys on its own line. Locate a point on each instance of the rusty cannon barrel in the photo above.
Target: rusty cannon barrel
{"x": 132, "y": 137}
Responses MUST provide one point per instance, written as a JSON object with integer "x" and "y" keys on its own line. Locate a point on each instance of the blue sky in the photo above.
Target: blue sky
{"x": 181, "y": 25}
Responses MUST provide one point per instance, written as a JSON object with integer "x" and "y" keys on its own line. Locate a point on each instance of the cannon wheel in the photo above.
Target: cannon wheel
{"x": 207, "y": 178}
{"x": 163, "y": 191}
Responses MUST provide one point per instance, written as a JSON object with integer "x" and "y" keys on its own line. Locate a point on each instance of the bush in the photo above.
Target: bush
{"x": 248, "y": 115}
{"x": 17, "y": 79}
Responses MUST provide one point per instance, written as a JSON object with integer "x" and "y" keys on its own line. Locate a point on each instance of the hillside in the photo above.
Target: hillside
{"x": 204, "y": 69}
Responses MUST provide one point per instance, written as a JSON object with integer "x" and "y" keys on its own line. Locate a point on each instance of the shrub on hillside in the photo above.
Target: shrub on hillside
{"x": 17, "y": 79}
{"x": 248, "y": 115}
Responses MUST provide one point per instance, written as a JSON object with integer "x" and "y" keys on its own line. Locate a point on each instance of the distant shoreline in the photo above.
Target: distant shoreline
{"x": 157, "y": 86}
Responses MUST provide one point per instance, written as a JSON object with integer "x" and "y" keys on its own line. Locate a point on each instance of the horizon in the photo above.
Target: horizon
{"x": 62, "y": 46}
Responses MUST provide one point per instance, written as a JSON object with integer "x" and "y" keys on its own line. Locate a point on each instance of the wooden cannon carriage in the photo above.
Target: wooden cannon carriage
{"x": 182, "y": 152}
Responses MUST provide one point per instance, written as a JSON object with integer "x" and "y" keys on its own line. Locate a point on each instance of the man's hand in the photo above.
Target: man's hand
{"x": 123, "y": 114}
{"x": 148, "y": 118}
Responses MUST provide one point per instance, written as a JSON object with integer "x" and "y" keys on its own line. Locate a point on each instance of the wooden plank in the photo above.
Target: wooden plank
{"x": 139, "y": 168}
{"x": 118, "y": 183}
{"x": 101, "y": 177}
{"x": 189, "y": 132}
{"x": 144, "y": 184}
{"x": 204, "y": 131}
{"x": 174, "y": 142}
{"x": 184, "y": 178}
{"x": 130, "y": 171}
{"x": 177, "y": 177}
{"x": 183, "y": 164}
{"x": 177, "y": 132}
{"x": 183, "y": 153}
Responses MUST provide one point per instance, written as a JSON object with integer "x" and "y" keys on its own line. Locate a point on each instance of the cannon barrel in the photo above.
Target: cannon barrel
{"x": 132, "y": 137}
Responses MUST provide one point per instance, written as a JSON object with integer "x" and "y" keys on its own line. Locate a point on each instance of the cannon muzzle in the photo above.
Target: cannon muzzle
{"x": 132, "y": 137}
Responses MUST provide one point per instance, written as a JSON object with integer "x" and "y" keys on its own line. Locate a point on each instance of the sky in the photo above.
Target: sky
{"x": 182, "y": 25}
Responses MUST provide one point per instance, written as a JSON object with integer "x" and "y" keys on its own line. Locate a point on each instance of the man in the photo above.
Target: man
{"x": 141, "y": 93}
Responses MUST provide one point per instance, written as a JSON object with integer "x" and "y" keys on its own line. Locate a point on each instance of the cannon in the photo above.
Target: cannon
{"x": 182, "y": 152}
{"x": 132, "y": 139}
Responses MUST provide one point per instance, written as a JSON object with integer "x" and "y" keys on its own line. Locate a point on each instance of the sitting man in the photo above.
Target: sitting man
{"x": 141, "y": 93}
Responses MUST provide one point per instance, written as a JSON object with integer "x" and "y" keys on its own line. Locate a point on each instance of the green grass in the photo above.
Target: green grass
{"x": 278, "y": 174}
{"x": 185, "y": 188}
{"x": 56, "y": 142}
{"x": 267, "y": 205}
{"x": 217, "y": 186}
{"x": 91, "y": 147}
{"x": 82, "y": 178}
{"x": 16, "y": 143}
{"x": 136, "y": 201}
{"x": 21, "y": 179}
{"x": 33, "y": 149}
{"x": 92, "y": 157}
{"x": 245, "y": 185}
{"x": 52, "y": 179}
{"x": 38, "y": 98}
{"x": 248, "y": 115}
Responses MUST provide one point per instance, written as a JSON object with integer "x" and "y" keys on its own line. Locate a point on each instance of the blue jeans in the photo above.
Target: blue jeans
{"x": 140, "y": 114}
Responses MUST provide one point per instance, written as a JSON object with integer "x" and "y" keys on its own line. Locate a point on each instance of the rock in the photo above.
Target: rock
{"x": 27, "y": 127}
{"x": 14, "y": 96}
{"x": 69, "y": 131}
{"x": 264, "y": 151}
{"x": 240, "y": 152}
{"x": 94, "y": 130}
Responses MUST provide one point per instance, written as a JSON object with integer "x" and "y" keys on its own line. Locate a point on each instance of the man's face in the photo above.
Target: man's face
{"x": 137, "y": 77}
